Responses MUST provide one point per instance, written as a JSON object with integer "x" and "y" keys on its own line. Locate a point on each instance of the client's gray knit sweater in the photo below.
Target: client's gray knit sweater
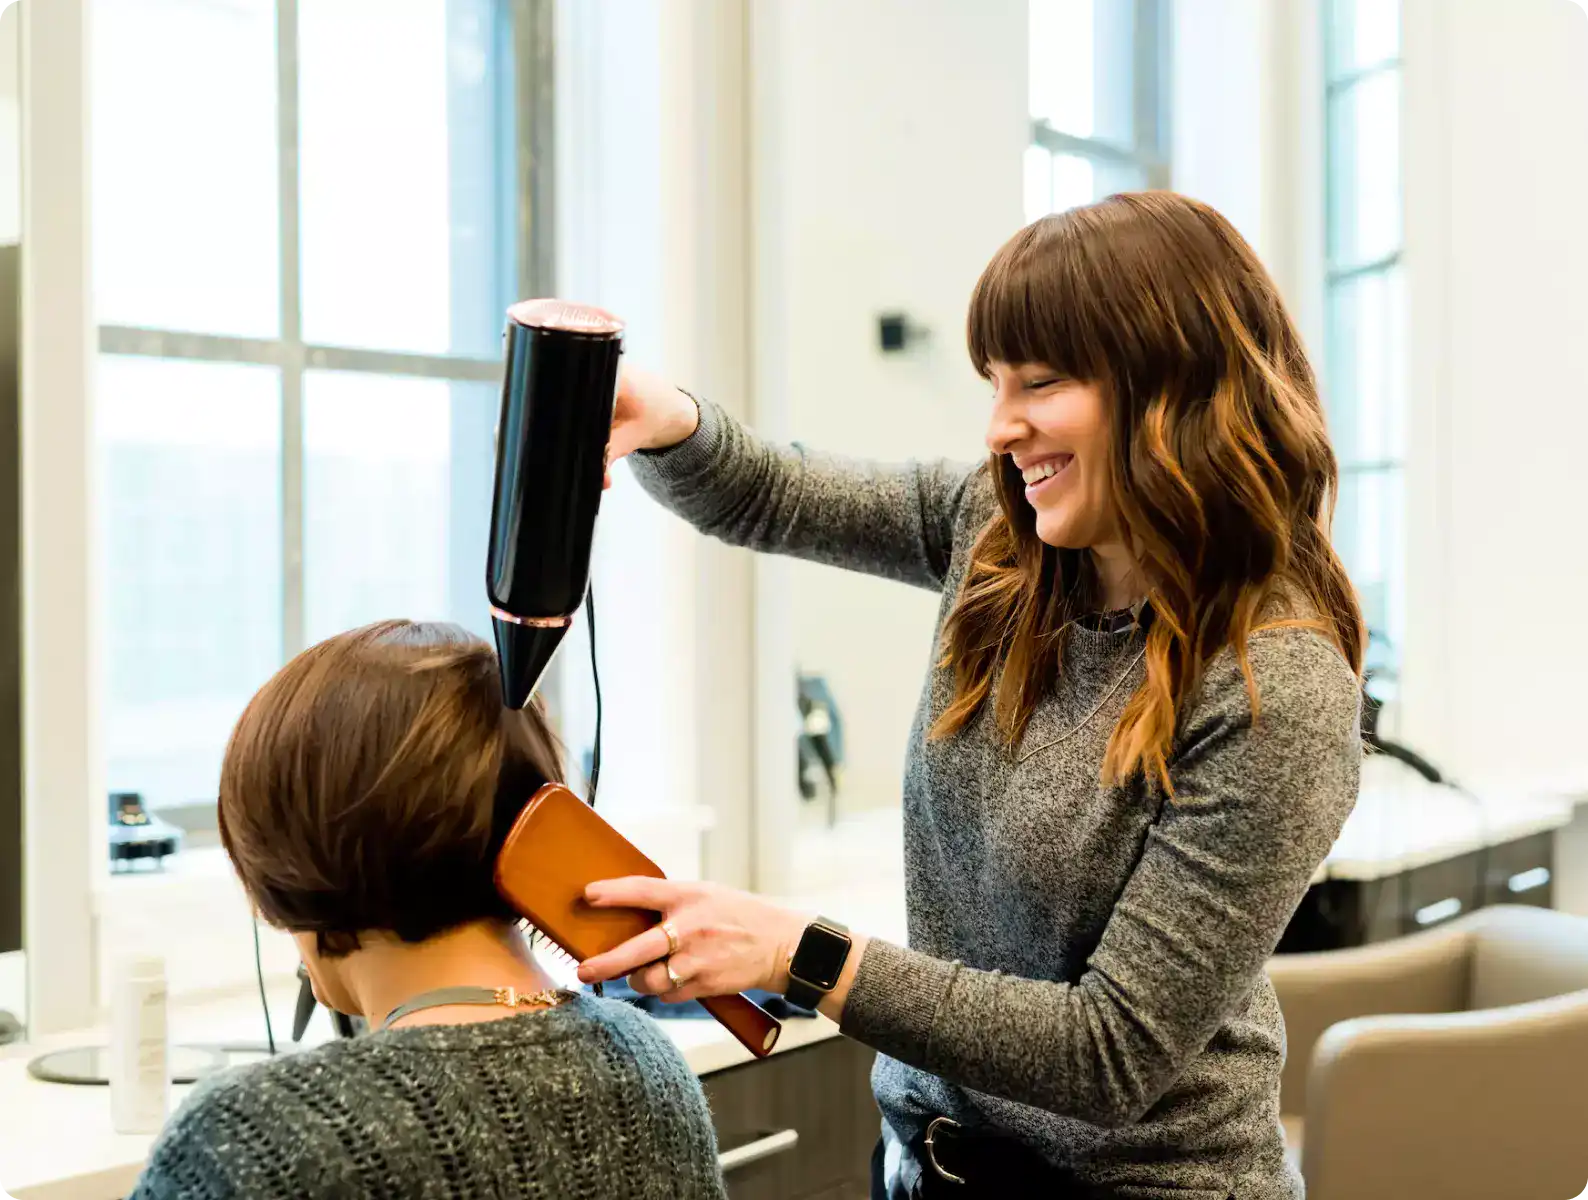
{"x": 1085, "y": 968}
{"x": 588, "y": 1099}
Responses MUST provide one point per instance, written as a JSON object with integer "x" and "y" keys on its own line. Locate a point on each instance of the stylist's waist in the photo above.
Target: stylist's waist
{"x": 950, "y": 1159}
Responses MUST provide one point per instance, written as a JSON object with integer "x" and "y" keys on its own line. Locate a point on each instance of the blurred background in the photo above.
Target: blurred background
{"x": 266, "y": 245}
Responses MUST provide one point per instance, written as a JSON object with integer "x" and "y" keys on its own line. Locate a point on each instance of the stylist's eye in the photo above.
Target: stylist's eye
{"x": 1037, "y": 385}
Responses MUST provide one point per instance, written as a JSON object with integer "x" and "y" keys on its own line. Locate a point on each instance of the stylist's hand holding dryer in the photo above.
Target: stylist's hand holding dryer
{"x": 1138, "y": 741}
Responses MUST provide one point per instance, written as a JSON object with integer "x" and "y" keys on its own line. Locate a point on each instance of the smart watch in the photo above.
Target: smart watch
{"x": 816, "y": 963}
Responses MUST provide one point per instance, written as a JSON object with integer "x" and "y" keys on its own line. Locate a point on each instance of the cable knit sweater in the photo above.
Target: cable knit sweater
{"x": 1085, "y": 969}
{"x": 589, "y": 1099}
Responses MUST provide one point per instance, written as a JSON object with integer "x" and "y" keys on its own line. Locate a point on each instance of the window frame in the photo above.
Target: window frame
{"x": 1151, "y": 63}
{"x": 524, "y": 50}
{"x": 1340, "y": 273}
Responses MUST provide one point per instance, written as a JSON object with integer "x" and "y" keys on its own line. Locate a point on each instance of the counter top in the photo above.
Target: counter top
{"x": 1400, "y": 822}
{"x": 56, "y": 1141}
{"x": 1399, "y": 825}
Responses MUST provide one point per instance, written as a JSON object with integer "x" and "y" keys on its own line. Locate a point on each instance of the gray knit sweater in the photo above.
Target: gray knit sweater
{"x": 589, "y": 1099}
{"x": 1085, "y": 969}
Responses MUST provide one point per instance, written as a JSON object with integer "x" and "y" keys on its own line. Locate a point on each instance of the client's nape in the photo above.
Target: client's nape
{"x": 557, "y": 397}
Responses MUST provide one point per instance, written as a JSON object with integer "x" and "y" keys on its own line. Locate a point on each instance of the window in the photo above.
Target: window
{"x": 1364, "y": 341}
{"x": 1098, "y": 72}
{"x": 304, "y": 230}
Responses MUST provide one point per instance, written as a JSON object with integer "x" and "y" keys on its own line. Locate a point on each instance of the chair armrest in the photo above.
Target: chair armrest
{"x": 1420, "y": 973}
{"x": 1464, "y": 1105}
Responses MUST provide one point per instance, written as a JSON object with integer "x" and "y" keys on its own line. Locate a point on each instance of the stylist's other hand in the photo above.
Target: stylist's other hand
{"x": 648, "y": 414}
{"x": 728, "y": 941}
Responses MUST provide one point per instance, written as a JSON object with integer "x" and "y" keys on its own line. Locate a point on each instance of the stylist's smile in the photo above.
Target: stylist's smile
{"x": 1041, "y": 474}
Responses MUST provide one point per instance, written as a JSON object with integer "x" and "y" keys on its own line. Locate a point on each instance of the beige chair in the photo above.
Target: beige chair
{"x": 1476, "y": 1090}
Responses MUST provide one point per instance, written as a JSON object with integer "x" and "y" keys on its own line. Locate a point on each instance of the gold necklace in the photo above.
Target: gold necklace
{"x": 507, "y": 997}
{"x": 1097, "y": 708}
{"x": 1135, "y": 611}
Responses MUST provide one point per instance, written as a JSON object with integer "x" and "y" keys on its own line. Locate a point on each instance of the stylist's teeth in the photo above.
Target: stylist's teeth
{"x": 1041, "y": 471}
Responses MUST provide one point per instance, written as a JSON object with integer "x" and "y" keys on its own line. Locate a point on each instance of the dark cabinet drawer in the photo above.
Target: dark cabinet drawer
{"x": 1338, "y": 912}
{"x": 1441, "y": 892}
{"x": 1516, "y": 872}
{"x": 1344, "y": 912}
{"x": 1522, "y": 872}
{"x": 822, "y": 1095}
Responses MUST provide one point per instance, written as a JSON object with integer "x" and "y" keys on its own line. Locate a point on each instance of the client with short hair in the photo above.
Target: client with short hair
{"x": 359, "y": 804}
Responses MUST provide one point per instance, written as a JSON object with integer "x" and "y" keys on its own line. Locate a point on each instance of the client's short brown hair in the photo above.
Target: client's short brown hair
{"x": 360, "y": 787}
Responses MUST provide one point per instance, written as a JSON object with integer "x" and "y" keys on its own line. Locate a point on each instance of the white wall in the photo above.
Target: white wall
{"x": 10, "y": 124}
{"x": 1219, "y": 85}
{"x": 888, "y": 138}
{"x": 13, "y": 976}
{"x": 1496, "y": 168}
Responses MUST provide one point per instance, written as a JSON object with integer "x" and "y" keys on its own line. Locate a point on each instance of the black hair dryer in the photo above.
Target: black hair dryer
{"x": 551, "y": 443}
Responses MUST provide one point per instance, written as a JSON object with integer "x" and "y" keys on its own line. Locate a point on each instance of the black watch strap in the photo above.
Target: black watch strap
{"x": 817, "y": 962}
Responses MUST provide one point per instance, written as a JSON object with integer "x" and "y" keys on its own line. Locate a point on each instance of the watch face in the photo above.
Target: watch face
{"x": 820, "y": 957}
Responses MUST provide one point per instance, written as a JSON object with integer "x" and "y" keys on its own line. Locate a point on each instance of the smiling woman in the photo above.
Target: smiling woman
{"x": 1137, "y": 743}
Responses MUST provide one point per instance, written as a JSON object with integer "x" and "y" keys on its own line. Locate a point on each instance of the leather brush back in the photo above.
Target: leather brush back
{"x": 559, "y": 845}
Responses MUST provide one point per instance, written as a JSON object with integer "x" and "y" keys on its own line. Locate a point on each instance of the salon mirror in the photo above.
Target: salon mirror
{"x": 89, "y": 1066}
{"x": 868, "y": 332}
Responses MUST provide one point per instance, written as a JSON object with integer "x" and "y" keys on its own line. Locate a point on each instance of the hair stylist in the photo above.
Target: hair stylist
{"x": 1138, "y": 742}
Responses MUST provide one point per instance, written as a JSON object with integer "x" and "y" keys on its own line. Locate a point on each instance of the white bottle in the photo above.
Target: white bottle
{"x": 140, "y": 1077}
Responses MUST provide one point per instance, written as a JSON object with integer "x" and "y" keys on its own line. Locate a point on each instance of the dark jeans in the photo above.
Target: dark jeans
{"x": 931, "y": 1187}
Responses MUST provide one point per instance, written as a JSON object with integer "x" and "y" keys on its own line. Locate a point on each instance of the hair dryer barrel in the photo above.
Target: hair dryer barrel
{"x": 557, "y": 396}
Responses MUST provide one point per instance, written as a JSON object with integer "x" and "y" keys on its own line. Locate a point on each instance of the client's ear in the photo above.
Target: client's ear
{"x": 325, "y": 976}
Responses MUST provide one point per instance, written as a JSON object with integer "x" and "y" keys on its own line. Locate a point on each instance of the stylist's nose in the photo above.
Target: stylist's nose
{"x": 1007, "y": 425}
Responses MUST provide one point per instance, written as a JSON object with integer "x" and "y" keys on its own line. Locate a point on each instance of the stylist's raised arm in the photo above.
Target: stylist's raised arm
{"x": 1137, "y": 741}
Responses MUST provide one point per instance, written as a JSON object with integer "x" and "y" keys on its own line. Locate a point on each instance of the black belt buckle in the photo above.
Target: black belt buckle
{"x": 930, "y": 1145}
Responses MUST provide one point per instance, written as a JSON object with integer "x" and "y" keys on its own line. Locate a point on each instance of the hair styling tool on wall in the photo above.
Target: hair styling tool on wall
{"x": 821, "y": 741}
{"x": 556, "y": 847}
{"x": 557, "y": 397}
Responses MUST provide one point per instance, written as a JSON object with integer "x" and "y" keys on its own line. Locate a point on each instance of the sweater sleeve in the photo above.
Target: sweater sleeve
{"x": 1257, "y": 806}
{"x": 896, "y": 522}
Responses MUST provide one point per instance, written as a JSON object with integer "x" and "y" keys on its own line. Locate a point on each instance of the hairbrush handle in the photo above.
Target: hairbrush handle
{"x": 741, "y": 1016}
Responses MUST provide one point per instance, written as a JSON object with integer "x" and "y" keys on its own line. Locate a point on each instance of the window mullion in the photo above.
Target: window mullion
{"x": 292, "y": 518}
{"x": 1148, "y": 61}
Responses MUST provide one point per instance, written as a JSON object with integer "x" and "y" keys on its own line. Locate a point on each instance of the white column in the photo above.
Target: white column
{"x": 64, "y": 798}
{"x": 706, "y": 223}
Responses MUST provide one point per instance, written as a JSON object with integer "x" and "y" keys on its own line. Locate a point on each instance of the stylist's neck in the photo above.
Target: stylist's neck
{"x": 1118, "y": 575}
{"x": 387, "y": 971}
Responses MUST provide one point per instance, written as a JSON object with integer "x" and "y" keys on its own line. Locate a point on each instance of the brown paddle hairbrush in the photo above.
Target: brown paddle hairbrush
{"x": 559, "y": 845}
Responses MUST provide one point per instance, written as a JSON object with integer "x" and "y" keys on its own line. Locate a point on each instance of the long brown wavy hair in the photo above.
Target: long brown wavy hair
{"x": 1221, "y": 470}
